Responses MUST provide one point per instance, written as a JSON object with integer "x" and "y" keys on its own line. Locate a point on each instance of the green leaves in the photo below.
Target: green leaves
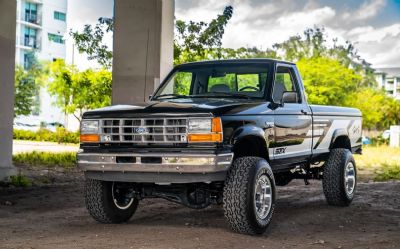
{"x": 77, "y": 91}
{"x": 199, "y": 40}
{"x": 27, "y": 87}
{"x": 90, "y": 41}
{"x": 326, "y": 81}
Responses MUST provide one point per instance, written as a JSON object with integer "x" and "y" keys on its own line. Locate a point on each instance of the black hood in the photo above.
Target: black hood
{"x": 186, "y": 106}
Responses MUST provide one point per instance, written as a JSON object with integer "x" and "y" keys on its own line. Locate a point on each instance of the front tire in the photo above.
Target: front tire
{"x": 339, "y": 178}
{"x": 107, "y": 202}
{"x": 249, "y": 195}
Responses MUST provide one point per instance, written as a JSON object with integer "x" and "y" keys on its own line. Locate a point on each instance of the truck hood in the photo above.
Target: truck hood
{"x": 182, "y": 107}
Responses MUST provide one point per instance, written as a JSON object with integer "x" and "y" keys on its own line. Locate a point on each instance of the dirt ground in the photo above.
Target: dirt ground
{"x": 53, "y": 215}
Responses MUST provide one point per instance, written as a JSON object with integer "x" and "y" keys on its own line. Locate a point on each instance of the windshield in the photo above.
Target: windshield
{"x": 219, "y": 80}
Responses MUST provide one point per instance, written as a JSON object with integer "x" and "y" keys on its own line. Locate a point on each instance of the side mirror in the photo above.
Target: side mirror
{"x": 289, "y": 97}
{"x": 150, "y": 96}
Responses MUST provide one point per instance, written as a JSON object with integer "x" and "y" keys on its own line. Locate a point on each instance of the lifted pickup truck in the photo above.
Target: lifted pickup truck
{"x": 224, "y": 132}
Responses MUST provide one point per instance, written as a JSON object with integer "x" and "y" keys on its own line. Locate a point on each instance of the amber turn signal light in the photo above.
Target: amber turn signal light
{"x": 212, "y": 137}
{"x": 89, "y": 138}
{"x": 216, "y": 125}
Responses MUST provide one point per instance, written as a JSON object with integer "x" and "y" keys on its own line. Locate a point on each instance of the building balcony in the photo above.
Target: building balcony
{"x": 35, "y": 1}
{"x": 30, "y": 42}
{"x": 389, "y": 87}
{"x": 33, "y": 18}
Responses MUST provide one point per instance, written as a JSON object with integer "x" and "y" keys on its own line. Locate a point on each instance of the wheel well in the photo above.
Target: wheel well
{"x": 251, "y": 146}
{"x": 341, "y": 142}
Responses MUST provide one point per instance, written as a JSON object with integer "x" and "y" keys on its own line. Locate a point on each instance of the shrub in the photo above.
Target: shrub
{"x": 46, "y": 159}
{"x": 378, "y": 141}
{"x": 60, "y": 136}
{"x": 388, "y": 172}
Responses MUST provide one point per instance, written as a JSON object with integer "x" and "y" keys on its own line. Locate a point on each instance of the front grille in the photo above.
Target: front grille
{"x": 144, "y": 130}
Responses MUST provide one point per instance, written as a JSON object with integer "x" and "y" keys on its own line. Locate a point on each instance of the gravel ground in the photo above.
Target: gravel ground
{"x": 54, "y": 216}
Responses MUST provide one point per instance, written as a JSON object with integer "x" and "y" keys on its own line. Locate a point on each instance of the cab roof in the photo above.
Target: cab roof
{"x": 233, "y": 61}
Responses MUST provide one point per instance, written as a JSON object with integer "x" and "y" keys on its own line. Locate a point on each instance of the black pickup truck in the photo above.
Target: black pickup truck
{"x": 218, "y": 132}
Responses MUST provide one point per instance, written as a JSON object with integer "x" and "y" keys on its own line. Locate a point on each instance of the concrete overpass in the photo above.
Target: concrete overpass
{"x": 143, "y": 55}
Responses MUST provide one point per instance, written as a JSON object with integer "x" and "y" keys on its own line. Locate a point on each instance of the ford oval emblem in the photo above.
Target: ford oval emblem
{"x": 141, "y": 130}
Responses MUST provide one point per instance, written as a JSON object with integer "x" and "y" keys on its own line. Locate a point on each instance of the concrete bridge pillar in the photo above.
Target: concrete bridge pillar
{"x": 7, "y": 70}
{"x": 143, "y": 48}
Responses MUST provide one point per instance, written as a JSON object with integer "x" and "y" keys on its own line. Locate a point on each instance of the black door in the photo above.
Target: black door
{"x": 293, "y": 122}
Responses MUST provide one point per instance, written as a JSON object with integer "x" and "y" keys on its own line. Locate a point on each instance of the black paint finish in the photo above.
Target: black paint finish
{"x": 286, "y": 130}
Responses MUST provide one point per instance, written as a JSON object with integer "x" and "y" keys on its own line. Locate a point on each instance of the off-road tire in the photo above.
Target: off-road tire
{"x": 238, "y": 196}
{"x": 100, "y": 203}
{"x": 333, "y": 182}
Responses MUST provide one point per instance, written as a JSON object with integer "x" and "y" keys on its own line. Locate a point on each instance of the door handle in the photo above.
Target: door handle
{"x": 304, "y": 111}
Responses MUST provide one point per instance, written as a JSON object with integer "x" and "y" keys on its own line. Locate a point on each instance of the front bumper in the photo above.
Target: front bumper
{"x": 155, "y": 167}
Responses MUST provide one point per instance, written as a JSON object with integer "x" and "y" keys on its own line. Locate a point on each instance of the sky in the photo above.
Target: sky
{"x": 372, "y": 25}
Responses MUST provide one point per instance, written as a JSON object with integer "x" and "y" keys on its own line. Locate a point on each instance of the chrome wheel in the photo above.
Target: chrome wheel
{"x": 349, "y": 178}
{"x": 120, "y": 197}
{"x": 263, "y": 197}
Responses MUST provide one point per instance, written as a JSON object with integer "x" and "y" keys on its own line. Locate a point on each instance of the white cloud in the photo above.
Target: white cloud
{"x": 307, "y": 18}
{"x": 262, "y": 23}
{"x": 267, "y": 24}
{"x": 367, "y": 10}
{"x": 369, "y": 33}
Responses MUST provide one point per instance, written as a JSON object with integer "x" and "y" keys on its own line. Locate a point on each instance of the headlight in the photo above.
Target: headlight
{"x": 200, "y": 125}
{"x": 205, "y": 130}
{"x": 89, "y": 131}
{"x": 90, "y": 127}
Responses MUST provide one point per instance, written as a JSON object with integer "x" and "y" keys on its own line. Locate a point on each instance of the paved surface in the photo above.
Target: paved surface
{"x": 54, "y": 216}
{"x": 29, "y": 146}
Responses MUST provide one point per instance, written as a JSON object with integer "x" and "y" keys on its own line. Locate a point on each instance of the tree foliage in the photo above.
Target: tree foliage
{"x": 327, "y": 82}
{"x": 27, "y": 87}
{"x": 77, "y": 91}
{"x": 333, "y": 72}
{"x": 199, "y": 40}
{"x": 90, "y": 41}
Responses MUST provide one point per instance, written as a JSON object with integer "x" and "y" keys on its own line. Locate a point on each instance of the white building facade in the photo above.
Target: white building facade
{"x": 41, "y": 27}
{"x": 389, "y": 80}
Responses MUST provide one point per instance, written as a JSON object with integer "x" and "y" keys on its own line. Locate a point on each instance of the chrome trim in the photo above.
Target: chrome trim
{"x": 158, "y": 130}
{"x": 170, "y": 162}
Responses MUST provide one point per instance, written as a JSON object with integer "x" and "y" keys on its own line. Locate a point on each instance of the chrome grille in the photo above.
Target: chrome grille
{"x": 145, "y": 130}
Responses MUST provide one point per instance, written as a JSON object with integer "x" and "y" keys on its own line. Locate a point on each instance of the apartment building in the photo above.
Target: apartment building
{"x": 41, "y": 27}
{"x": 389, "y": 80}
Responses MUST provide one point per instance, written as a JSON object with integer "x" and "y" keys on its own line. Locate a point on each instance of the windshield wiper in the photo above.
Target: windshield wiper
{"x": 221, "y": 94}
{"x": 170, "y": 96}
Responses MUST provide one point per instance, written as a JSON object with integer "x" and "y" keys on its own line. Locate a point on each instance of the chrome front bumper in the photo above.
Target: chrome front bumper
{"x": 180, "y": 163}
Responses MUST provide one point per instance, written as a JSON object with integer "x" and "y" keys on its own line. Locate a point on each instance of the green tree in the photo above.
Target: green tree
{"x": 199, "y": 40}
{"x": 26, "y": 91}
{"x": 77, "y": 91}
{"x": 193, "y": 40}
{"x": 91, "y": 41}
{"x": 327, "y": 82}
{"x": 379, "y": 110}
{"x": 27, "y": 85}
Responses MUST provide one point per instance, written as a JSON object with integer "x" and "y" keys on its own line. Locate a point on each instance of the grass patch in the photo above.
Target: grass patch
{"x": 388, "y": 172}
{"x": 60, "y": 136}
{"x": 20, "y": 181}
{"x": 379, "y": 162}
{"x": 46, "y": 159}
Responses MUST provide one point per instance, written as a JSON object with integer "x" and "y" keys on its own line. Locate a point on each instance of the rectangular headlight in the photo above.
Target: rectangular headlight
{"x": 90, "y": 127}
{"x": 205, "y": 130}
{"x": 200, "y": 125}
